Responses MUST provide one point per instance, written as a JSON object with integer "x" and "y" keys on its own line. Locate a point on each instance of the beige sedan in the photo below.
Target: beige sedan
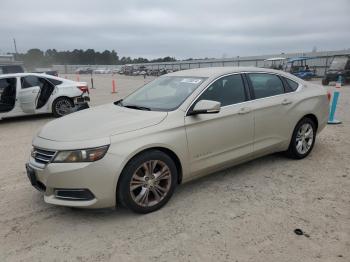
{"x": 181, "y": 126}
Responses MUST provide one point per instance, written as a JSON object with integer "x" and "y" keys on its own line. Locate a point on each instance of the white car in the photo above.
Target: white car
{"x": 176, "y": 128}
{"x": 30, "y": 93}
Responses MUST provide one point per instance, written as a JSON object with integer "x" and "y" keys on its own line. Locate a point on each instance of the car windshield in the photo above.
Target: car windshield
{"x": 339, "y": 63}
{"x": 165, "y": 93}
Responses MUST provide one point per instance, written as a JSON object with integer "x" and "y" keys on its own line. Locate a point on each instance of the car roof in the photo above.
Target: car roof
{"x": 33, "y": 74}
{"x": 21, "y": 74}
{"x": 213, "y": 72}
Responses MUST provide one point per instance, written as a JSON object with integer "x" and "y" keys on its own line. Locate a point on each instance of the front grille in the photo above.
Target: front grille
{"x": 43, "y": 156}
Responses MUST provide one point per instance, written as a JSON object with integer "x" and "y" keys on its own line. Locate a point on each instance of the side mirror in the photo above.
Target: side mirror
{"x": 206, "y": 107}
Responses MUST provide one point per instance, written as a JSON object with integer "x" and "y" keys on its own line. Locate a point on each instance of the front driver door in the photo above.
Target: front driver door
{"x": 216, "y": 140}
{"x": 29, "y": 92}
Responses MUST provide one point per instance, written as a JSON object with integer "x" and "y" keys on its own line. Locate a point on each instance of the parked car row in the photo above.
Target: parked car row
{"x": 129, "y": 70}
{"x": 82, "y": 71}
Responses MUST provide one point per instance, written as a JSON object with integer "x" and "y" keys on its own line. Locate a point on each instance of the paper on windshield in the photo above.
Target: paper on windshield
{"x": 191, "y": 80}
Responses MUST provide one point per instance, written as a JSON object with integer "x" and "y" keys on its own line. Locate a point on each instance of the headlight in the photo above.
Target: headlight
{"x": 83, "y": 155}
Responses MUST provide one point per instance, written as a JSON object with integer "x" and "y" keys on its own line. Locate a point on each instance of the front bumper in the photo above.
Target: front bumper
{"x": 57, "y": 180}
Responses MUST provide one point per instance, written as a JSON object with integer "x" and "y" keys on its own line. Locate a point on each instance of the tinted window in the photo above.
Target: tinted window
{"x": 30, "y": 81}
{"x": 227, "y": 90}
{"x": 7, "y": 84}
{"x": 7, "y": 94}
{"x": 265, "y": 85}
{"x": 292, "y": 84}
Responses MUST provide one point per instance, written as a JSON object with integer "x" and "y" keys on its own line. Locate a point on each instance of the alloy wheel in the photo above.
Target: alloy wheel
{"x": 150, "y": 183}
{"x": 63, "y": 107}
{"x": 304, "y": 138}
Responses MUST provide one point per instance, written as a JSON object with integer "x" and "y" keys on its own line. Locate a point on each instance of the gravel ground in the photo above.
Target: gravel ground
{"x": 245, "y": 213}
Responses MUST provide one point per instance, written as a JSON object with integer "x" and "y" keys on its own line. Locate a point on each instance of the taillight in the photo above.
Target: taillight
{"x": 84, "y": 89}
{"x": 329, "y": 96}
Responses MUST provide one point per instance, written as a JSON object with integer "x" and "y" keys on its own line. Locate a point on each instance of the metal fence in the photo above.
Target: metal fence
{"x": 320, "y": 62}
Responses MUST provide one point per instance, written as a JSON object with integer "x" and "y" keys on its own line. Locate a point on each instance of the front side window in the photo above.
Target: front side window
{"x": 166, "y": 93}
{"x": 265, "y": 85}
{"x": 7, "y": 84}
{"x": 7, "y": 91}
{"x": 227, "y": 90}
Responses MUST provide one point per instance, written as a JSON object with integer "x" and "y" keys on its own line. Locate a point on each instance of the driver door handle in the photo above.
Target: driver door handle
{"x": 244, "y": 110}
{"x": 286, "y": 102}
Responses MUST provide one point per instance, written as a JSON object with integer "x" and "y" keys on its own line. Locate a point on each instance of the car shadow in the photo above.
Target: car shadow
{"x": 27, "y": 118}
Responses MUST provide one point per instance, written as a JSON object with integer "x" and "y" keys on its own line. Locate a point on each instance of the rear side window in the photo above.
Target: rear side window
{"x": 292, "y": 84}
{"x": 227, "y": 90}
{"x": 30, "y": 81}
{"x": 265, "y": 85}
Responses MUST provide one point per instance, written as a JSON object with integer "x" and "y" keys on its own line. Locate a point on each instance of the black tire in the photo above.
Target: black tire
{"x": 56, "y": 111}
{"x": 325, "y": 82}
{"x": 293, "y": 151}
{"x": 126, "y": 196}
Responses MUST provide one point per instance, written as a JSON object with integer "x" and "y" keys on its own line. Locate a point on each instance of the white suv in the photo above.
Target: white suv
{"x": 28, "y": 93}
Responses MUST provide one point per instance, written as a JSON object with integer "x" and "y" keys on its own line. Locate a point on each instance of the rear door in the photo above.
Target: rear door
{"x": 215, "y": 140}
{"x": 47, "y": 87}
{"x": 29, "y": 93}
{"x": 273, "y": 104}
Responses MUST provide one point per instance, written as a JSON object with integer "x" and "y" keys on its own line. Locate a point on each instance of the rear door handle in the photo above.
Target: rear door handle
{"x": 286, "y": 102}
{"x": 244, "y": 110}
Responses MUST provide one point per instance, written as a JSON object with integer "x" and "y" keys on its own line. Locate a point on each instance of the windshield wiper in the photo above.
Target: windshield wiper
{"x": 138, "y": 107}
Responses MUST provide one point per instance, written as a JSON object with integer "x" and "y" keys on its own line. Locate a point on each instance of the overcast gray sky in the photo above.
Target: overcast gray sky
{"x": 180, "y": 28}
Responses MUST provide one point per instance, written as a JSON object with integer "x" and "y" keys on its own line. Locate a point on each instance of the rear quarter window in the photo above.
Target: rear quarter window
{"x": 292, "y": 84}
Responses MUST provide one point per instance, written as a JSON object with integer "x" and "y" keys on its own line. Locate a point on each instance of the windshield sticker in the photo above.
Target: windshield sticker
{"x": 191, "y": 80}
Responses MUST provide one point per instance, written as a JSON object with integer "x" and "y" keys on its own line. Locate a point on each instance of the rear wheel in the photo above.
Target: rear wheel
{"x": 147, "y": 182}
{"x": 62, "y": 106}
{"x": 303, "y": 139}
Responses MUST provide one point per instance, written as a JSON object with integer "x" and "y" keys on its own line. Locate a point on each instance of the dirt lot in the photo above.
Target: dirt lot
{"x": 245, "y": 213}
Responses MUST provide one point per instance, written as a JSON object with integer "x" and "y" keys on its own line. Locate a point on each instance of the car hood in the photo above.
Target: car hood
{"x": 99, "y": 122}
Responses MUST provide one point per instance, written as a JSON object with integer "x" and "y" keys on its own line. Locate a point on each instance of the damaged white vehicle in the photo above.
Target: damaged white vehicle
{"x": 28, "y": 93}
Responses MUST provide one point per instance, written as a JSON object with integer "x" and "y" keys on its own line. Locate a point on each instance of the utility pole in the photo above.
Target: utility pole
{"x": 14, "y": 43}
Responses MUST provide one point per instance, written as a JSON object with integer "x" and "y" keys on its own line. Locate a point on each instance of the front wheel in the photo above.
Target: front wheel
{"x": 147, "y": 182}
{"x": 62, "y": 106}
{"x": 303, "y": 139}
